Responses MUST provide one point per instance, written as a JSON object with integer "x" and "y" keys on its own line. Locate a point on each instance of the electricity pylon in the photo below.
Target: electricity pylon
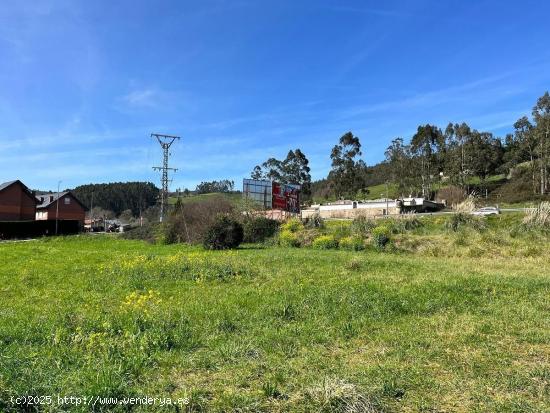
{"x": 165, "y": 142}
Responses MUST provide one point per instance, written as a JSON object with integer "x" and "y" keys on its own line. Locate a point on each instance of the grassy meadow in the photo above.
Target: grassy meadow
{"x": 439, "y": 321}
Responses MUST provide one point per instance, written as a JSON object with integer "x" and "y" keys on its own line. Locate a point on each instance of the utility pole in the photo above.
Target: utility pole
{"x": 165, "y": 142}
{"x": 387, "y": 205}
{"x": 57, "y": 207}
{"x": 92, "y": 214}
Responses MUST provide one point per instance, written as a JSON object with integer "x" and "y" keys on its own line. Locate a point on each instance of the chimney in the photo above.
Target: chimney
{"x": 51, "y": 198}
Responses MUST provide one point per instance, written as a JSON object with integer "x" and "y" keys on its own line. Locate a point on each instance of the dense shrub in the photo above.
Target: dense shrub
{"x": 325, "y": 242}
{"x": 189, "y": 222}
{"x": 381, "y": 236}
{"x": 288, "y": 239}
{"x": 224, "y": 233}
{"x": 403, "y": 224}
{"x": 352, "y": 243}
{"x": 462, "y": 220}
{"x": 306, "y": 237}
{"x": 175, "y": 231}
{"x": 292, "y": 225}
{"x": 257, "y": 229}
{"x": 149, "y": 233}
{"x": 362, "y": 226}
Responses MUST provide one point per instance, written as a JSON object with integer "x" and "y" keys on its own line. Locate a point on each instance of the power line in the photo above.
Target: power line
{"x": 165, "y": 142}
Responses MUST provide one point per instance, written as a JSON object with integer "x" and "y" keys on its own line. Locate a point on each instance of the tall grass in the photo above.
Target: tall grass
{"x": 538, "y": 217}
{"x": 467, "y": 206}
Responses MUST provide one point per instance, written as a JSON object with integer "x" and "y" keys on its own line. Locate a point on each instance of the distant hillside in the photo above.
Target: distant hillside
{"x": 119, "y": 196}
{"x": 231, "y": 196}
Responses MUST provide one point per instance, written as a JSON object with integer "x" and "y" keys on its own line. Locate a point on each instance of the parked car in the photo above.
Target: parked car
{"x": 486, "y": 211}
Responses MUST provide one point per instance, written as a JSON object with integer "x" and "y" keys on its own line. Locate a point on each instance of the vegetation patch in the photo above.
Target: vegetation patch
{"x": 381, "y": 236}
{"x": 258, "y": 229}
{"x": 288, "y": 239}
{"x": 224, "y": 233}
{"x": 430, "y": 324}
{"x": 325, "y": 242}
{"x": 538, "y": 217}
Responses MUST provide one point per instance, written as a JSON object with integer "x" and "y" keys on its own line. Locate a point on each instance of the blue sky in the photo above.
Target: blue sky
{"x": 84, "y": 83}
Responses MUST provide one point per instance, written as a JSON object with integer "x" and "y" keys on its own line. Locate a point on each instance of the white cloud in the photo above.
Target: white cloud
{"x": 142, "y": 98}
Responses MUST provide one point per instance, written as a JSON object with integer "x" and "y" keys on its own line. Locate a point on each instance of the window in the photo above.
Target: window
{"x": 67, "y": 200}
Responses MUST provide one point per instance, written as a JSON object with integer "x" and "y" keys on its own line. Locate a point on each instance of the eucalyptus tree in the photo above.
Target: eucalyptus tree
{"x": 399, "y": 159}
{"x": 257, "y": 173}
{"x": 541, "y": 116}
{"x": 457, "y": 139}
{"x": 525, "y": 145}
{"x": 488, "y": 152}
{"x": 427, "y": 146}
{"x": 348, "y": 173}
{"x": 294, "y": 169}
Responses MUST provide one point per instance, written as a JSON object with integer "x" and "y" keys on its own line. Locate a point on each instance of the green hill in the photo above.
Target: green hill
{"x": 231, "y": 196}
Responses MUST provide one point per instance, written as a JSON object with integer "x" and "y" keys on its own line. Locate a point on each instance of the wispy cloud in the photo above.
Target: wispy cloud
{"x": 433, "y": 97}
{"x": 141, "y": 98}
{"x": 497, "y": 120}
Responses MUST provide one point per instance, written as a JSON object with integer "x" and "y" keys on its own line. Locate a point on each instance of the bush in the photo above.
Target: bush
{"x": 403, "y": 224}
{"x": 288, "y": 239}
{"x": 325, "y": 242}
{"x": 189, "y": 222}
{"x": 225, "y": 233}
{"x": 315, "y": 221}
{"x": 149, "y": 233}
{"x": 362, "y": 226}
{"x": 292, "y": 225}
{"x": 306, "y": 237}
{"x": 461, "y": 220}
{"x": 257, "y": 229}
{"x": 352, "y": 243}
{"x": 381, "y": 236}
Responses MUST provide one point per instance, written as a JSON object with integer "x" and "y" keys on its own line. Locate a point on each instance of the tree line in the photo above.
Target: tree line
{"x": 456, "y": 154}
{"x": 118, "y": 196}
{"x": 225, "y": 185}
{"x": 347, "y": 177}
{"x": 294, "y": 169}
{"x": 460, "y": 153}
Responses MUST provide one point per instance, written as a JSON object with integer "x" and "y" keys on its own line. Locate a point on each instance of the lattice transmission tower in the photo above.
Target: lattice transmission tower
{"x": 165, "y": 142}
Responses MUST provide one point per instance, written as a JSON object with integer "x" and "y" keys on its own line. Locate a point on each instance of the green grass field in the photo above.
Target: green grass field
{"x": 442, "y": 323}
